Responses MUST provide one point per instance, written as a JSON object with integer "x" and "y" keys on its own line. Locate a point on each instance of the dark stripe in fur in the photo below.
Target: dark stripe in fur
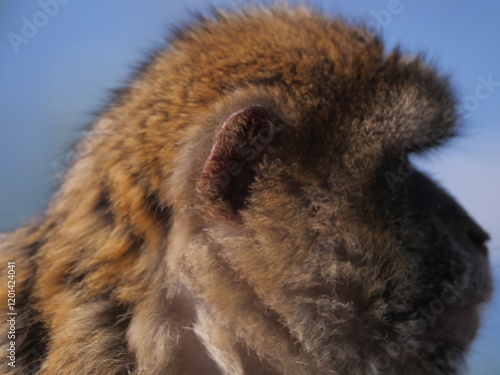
{"x": 161, "y": 212}
{"x": 103, "y": 207}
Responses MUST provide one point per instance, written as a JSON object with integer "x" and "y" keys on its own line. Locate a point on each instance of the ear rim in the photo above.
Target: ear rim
{"x": 237, "y": 151}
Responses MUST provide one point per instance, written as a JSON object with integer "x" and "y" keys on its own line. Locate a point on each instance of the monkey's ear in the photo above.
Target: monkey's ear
{"x": 234, "y": 162}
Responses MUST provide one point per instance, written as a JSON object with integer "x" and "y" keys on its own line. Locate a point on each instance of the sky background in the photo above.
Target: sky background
{"x": 63, "y": 71}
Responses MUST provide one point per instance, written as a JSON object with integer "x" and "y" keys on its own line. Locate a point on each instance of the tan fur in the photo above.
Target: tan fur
{"x": 132, "y": 271}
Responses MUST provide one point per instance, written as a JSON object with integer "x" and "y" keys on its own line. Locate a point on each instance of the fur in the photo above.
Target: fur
{"x": 328, "y": 269}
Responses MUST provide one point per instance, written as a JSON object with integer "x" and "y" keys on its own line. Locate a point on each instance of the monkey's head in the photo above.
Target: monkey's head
{"x": 300, "y": 227}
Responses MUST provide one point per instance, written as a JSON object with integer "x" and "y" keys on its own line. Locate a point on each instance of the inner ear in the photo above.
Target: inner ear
{"x": 234, "y": 162}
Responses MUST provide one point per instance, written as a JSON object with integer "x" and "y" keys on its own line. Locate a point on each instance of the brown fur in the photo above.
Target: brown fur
{"x": 325, "y": 270}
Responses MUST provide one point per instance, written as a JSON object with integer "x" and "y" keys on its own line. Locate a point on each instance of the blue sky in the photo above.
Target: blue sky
{"x": 63, "y": 72}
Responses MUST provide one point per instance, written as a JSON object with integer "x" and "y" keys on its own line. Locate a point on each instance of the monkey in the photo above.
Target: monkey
{"x": 247, "y": 206}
